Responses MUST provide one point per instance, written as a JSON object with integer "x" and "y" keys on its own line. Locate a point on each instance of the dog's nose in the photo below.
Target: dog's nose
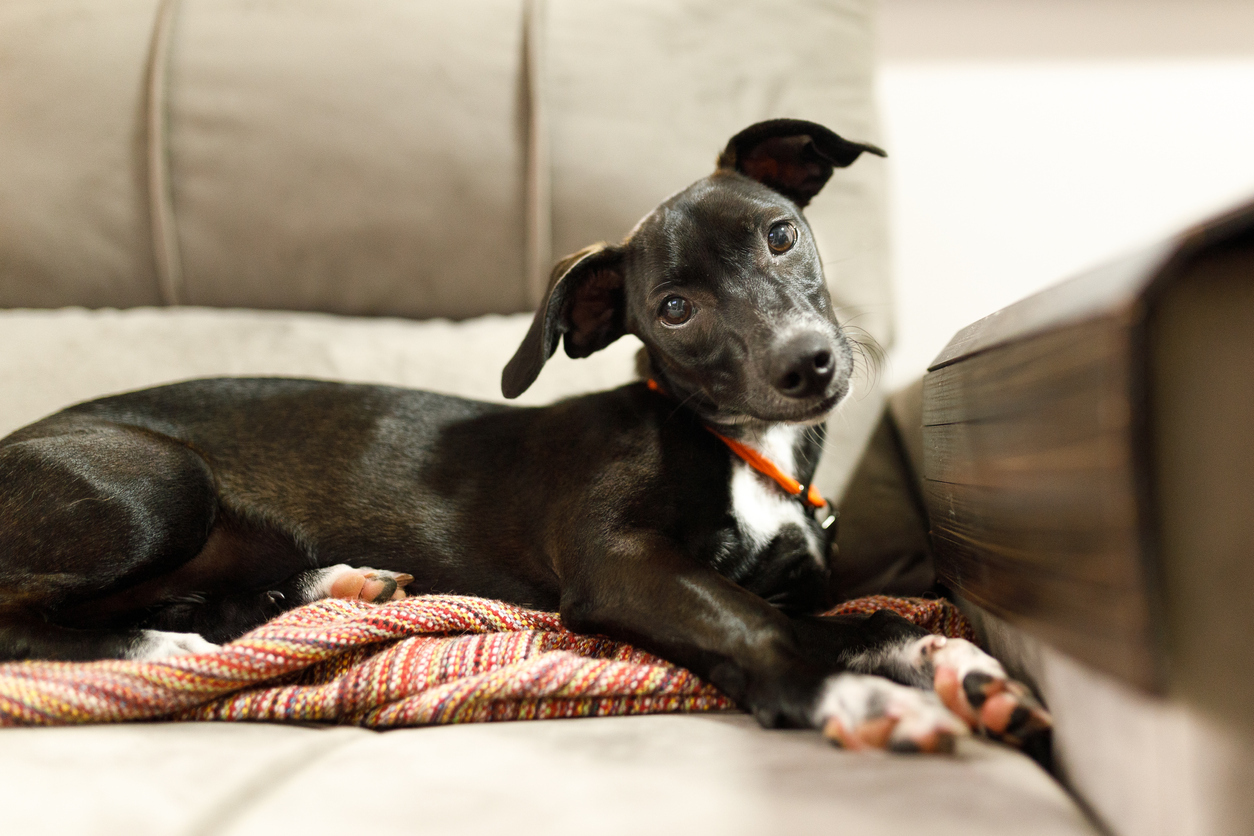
{"x": 803, "y": 367}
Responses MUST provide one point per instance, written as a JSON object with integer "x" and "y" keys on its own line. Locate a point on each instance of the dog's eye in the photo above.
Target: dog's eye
{"x": 676, "y": 310}
{"x": 781, "y": 237}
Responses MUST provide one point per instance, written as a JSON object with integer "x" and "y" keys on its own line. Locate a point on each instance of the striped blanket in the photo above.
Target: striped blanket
{"x": 428, "y": 659}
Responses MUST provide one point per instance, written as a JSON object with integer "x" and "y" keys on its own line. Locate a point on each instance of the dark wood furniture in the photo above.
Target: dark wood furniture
{"x": 1088, "y": 465}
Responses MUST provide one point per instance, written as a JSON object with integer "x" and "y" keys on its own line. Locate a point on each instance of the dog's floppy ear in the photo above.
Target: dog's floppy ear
{"x": 792, "y": 156}
{"x": 584, "y": 303}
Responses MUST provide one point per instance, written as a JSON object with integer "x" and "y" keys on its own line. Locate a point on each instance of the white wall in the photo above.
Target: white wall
{"x": 1031, "y": 139}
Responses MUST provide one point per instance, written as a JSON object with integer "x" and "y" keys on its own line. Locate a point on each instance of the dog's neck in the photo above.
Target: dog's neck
{"x": 732, "y": 425}
{"x": 794, "y": 448}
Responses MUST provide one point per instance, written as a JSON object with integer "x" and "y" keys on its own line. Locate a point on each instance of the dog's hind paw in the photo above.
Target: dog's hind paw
{"x": 861, "y": 711}
{"x": 159, "y": 644}
{"x": 975, "y": 687}
{"x": 376, "y": 586}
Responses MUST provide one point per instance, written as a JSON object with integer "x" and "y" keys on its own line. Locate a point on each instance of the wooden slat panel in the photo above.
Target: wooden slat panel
{"x": 1053, "y": 534}
{"x": 1103, "y": 623}
{"x": 1061, "y": 369}
{"x": 1031, "y": 491}
{"x": 1005, "y": 454}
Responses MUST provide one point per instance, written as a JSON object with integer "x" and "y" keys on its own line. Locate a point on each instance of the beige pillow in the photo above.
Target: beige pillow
{"x": 53, "y": 358}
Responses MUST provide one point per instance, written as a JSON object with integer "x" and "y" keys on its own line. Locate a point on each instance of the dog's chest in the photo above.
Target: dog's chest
{"x": 763, "y": 511}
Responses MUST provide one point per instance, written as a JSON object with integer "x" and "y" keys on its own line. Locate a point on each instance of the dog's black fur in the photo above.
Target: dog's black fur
{"x": 207, "y": 507}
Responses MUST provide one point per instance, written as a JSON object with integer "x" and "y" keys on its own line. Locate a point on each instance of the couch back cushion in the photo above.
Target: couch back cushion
{"x": 336, "y": 156}
{"x": 396, "y": 157}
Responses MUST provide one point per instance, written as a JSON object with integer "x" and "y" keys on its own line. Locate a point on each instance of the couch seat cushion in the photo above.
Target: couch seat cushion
{"x": 629, "y": 775}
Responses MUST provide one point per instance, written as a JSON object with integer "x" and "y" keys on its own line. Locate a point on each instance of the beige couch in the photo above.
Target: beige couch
{"x": 309, "y": 188}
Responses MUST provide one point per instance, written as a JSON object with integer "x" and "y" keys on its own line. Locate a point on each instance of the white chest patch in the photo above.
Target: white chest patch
{"x": 761, "y": 507}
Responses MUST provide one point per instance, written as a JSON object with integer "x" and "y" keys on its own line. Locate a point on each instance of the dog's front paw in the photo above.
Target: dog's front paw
{"x": 159, "y": 644}
{"x": 976, "y": 688}
{"x": 376, "y": 586}
{"x": 860, "y": 711}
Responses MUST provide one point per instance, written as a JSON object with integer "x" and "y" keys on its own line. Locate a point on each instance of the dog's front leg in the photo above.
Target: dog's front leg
{"x": 965, "y": 680}
{"x": 644, "y": 590}
{"x": 974, "y": 686}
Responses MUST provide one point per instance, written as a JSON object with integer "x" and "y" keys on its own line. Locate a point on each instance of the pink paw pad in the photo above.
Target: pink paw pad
{"x": 375, "y": 586}
{"x": 868, "y": 712}
{"x": 974, "y": 686}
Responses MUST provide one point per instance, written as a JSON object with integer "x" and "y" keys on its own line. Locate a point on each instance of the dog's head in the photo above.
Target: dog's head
{"x": 722, "y": 283}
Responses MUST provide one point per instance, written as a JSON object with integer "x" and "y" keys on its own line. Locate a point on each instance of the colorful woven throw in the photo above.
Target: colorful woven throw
{"x": 428, "y": 659}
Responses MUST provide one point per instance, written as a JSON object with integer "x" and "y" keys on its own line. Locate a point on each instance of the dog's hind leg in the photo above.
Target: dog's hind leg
{"x": 229, "y": 614}
{"x": 26, "y": 638}
{"x": 88, "y": 509}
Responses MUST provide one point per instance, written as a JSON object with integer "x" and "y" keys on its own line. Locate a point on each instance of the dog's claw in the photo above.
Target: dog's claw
{"x": 978, "y": 686}
{"x": 385, "y": 593}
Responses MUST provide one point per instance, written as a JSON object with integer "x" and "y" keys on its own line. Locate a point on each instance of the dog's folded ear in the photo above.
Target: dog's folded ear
{"x": 792, "y": 156}
{"x": 584, "y": 303}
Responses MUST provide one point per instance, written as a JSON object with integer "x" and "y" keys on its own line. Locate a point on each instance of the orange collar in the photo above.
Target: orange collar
{"x": 811, "y": 498}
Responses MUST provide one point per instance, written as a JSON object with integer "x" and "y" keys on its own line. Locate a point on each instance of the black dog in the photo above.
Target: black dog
{"x": 155, "y": 522}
